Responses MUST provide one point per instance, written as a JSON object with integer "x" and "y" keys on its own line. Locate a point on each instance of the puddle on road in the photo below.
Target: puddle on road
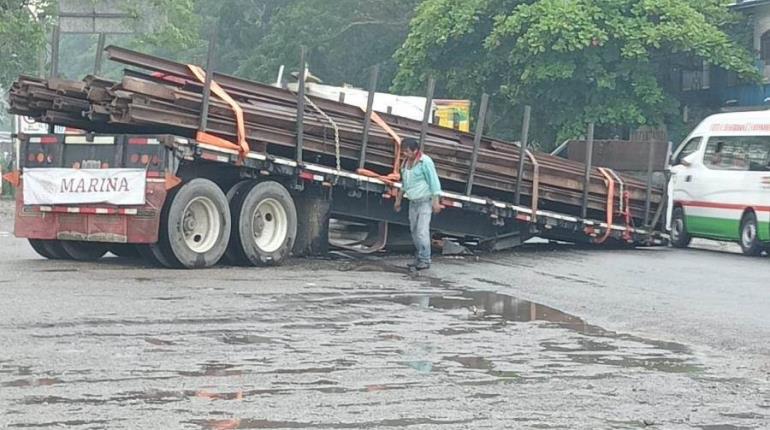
{"x": 246, "y": 339}
{"x": 32, "y": 382}
{"x": 596, "y": 346}
{"x": 59, "y": 424}
{"x": 213, "y": 369}
{"x": 724, "y": 427}
{"x": 268, "y": 424}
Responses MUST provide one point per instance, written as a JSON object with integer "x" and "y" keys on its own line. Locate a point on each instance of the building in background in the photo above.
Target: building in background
{"x": 702, "y": 84}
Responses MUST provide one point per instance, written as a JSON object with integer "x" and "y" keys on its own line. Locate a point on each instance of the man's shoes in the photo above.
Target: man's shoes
{"x": 412, "y": 265}
{"x": 422, "y": 266}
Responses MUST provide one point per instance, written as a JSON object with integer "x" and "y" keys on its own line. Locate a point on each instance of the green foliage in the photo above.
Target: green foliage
{"x": 22, "y": 39}
{"x": 175, "y": 27}
{"x": 22, "y": 36}
{"x": 343, "y": 38}
{"x": 255, "y": 37}
{"x": 574, "y": 61}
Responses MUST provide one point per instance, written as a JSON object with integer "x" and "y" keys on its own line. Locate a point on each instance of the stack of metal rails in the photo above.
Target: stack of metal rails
{"x": 161, "y": 96}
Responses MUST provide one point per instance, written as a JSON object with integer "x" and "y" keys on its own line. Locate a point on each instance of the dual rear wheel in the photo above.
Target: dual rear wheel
{"x": 254, "y": 224}
{"x": 68, "y": 250}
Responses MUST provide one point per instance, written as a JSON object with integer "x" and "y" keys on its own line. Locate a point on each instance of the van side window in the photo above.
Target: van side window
{"x": 746, "y": 153}
{"x": 688, "y": 148}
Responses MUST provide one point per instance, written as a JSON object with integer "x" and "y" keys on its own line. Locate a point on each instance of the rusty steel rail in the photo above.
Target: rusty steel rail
{"x": 172, "y": 101}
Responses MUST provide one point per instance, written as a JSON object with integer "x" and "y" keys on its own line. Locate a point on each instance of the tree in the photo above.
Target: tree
{"x": 22, "y": 39}
{"x": 344, "y": 38}
{"x": 574, "y": 61}
{"x": 255, "y": 37}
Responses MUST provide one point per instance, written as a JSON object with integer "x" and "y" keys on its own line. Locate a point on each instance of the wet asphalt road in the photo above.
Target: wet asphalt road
{"x": 544, "y": 337}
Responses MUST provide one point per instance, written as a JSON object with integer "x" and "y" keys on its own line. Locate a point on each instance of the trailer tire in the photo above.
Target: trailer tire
{"x": 195, "y": 226}
{"x": 84, "y": 251}
{"x": 680, "y": 238}
{"x": 125, "y": 250}
{"x": 265, "y": 224}
{"x": 152, "y": 255}
{"x": 39, "y": 245}
{"x": 750, "y": 244}
{"x": 236, "y": 193}
{"x": 54, "y": 247}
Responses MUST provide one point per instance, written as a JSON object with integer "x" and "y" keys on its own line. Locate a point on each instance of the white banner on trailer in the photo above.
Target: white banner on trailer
{"x": 72, "y": 186}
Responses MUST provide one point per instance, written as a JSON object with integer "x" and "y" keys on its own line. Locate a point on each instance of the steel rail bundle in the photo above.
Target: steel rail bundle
{"x": 166, "y": 97}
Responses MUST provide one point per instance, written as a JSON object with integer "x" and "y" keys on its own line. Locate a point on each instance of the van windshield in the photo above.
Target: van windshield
{"x": 747, "y": 153}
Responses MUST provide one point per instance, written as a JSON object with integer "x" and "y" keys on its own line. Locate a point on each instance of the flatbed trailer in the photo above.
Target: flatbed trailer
{"x": 204, "y": 203}
{"x": 188, "y": 168}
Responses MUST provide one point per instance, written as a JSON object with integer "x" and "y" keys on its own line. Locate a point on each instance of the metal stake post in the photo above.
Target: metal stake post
{"x": 427, "y": 113}
{"x": 368, "y": 119}
{"x": 55, "y": 51}
{"x": 207, "y": 85}
{"x": 301, "y": 104}
{"x": 99, "y": 52}
{"x": 477, "y": 141}
{"x": 648, "y": 195}
{"x": 587, "y": 176}
{"x": 522, "y": 152}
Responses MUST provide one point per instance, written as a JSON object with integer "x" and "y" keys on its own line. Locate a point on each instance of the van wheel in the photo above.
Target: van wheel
{"x": 39, "y": 245}
{"x": 265, "y": 224}
{"x": 680, "y": 238}
{"x": 195, "y": 226}
{"x": 749, "y": 238}
{"x": 84, "y": 251}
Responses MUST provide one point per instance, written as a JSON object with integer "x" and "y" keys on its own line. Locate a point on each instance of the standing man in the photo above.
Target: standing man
{"x": 420, "y": 184}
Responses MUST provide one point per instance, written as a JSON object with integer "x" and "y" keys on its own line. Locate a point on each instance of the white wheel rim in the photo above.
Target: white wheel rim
{"x": 201, "y": 224}
{"x": 749, "y": 234}
{"x": 269, "y": 225}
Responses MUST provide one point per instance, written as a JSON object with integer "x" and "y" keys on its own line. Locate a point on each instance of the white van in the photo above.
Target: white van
{"x": 720, "y": 182}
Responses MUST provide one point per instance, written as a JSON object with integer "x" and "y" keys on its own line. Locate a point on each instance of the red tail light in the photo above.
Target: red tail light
{"x": 307, "y": 176}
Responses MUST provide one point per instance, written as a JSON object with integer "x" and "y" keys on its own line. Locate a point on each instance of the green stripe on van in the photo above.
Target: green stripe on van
{"x": 722, "y": 228}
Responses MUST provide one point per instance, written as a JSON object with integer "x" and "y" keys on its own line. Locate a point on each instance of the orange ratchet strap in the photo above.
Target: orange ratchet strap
{"x": 535, "y": 184}
{"x": 395, "y": 176}
{"x": 610, "y": 181}
{"x": 202, "y": 136}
